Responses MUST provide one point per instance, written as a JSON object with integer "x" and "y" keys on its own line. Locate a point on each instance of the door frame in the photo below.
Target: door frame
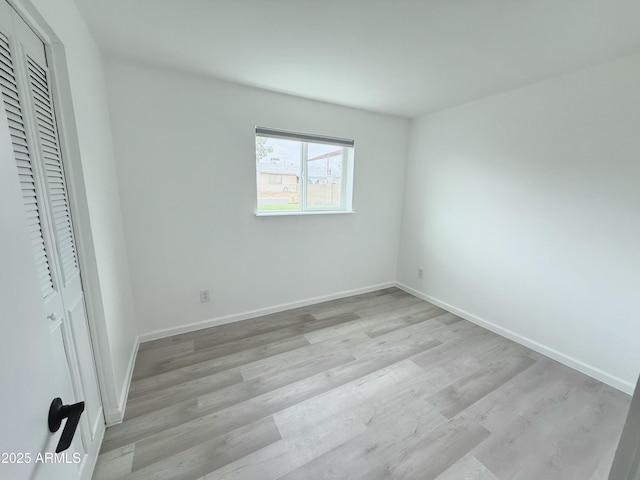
{"x": 70, "y": 150}
{"x": 626, "y": 462}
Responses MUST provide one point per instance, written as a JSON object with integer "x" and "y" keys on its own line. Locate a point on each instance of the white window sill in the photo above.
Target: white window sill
{"x": 290, "y": 213}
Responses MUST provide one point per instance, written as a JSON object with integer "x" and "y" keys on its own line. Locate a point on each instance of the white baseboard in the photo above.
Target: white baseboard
{"x": 567, "y": 360}
{"x": 113, "y": 417}
{"x": 213, "y": 322}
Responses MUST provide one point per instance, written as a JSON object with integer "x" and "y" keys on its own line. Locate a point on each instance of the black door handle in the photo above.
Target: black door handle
{"x": 58, "y": 412}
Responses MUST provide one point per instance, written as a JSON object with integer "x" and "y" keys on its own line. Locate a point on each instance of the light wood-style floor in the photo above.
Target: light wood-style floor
{"x": 377, "y": 386}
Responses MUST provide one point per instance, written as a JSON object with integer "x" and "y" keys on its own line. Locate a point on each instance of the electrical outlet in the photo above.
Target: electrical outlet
{"x": 421, "y": 273}
{"x": 205, "y": 296}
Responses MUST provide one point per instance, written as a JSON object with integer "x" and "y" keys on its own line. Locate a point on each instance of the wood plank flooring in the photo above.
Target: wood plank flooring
{"x": 376, "y": 386}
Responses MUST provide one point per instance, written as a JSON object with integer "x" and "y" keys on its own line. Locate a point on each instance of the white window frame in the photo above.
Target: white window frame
{"x": 346, "y": 193}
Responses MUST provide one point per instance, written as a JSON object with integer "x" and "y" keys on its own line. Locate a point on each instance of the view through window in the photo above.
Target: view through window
{"x": 298, "y": 172}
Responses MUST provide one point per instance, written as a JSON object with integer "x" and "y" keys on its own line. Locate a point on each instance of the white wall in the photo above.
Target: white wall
{"x": 186, "y": 166}
{"x": 90, "y": 107}
{"x": 524, "y": 211}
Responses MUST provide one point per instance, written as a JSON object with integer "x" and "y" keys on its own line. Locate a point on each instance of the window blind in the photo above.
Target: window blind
{"x": 305, "y": 137}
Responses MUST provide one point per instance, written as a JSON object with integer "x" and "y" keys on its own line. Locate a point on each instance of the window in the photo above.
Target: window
{"x": 275, "y": 179}
{"x": 302, "y": 173}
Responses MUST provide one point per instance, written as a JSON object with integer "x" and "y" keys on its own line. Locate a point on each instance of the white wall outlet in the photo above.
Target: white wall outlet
{"x": 205, "y": 296}
{"x": 421, "y": 273}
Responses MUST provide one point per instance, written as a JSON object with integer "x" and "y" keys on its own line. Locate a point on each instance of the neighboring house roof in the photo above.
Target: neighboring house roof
{"x": 317, "y": 169}
{"x": 327, "y": 165}
{"x": 335, "y": 153}
{"x": 277, "y": 168}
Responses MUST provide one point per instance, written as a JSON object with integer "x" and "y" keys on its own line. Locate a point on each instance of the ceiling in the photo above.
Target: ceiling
{"x": 401, "y": 57}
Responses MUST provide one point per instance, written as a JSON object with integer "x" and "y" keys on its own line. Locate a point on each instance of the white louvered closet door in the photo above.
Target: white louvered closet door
{"x": 52, "y": 169}
{"x": 26, "y": 87}
{"x": 17, "y": 129}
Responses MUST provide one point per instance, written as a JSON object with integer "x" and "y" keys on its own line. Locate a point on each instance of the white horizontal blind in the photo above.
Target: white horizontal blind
{"x": 11, "y": 100}
{"x": 53, "y": 170}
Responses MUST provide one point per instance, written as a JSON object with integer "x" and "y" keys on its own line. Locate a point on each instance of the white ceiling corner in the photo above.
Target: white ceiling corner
{"x": 400, "y": 57}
